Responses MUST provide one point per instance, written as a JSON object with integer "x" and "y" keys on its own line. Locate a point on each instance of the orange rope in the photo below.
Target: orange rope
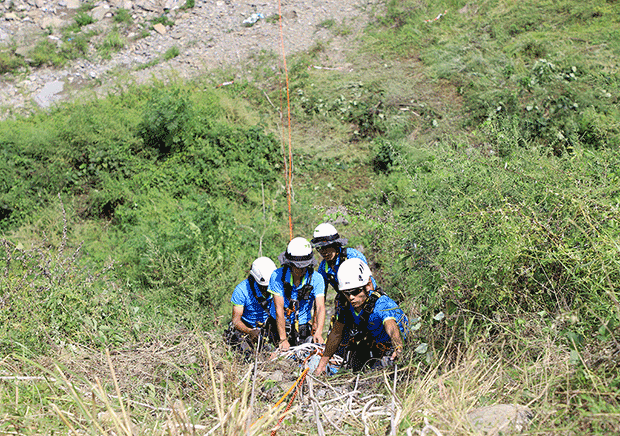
{"x": 289, "y": 176}
{"x": 297, "y": 383}
{"x": 290, "y": 403}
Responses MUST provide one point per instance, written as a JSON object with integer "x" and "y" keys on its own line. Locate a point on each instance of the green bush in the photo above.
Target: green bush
{"x": 162, "y": 19}
{"x": 166, "y": 121}
{"x": 10, "y": 62}
{"x": 44, "y": 53}
{"x": 83, "y": 19}
{"x": 501, "y": 237}
{"x": 356, "y": 103}
{"x": 188, "y": 4}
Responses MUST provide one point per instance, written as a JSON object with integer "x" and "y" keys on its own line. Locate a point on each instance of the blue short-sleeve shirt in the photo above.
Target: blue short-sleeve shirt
{"x": 246, "y": 295}
{"x": 385, "y": 308}
{"x": 276, "y": 287}
{"x": 329, "y": 273}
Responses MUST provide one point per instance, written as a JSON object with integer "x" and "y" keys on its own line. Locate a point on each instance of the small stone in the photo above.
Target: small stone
{"x": 500, "y": 419}
{"x": 276, "y": 376}
{"x": 160, "y": 28}
{"x": 99, "y": 12}
{"x": 72, "y": 4}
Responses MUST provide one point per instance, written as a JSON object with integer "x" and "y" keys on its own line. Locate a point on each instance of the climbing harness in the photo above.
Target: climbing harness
{"x": 263, "y": 298}
{"x": 362, "y": 346}
{"x": 331, "y": 276}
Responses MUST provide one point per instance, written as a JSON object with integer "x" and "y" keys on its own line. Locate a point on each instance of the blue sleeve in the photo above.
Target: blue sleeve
{"x": 352, "y": 253}
{"x": 275, "y": 283}
{"x": 318, "y": 284}
{"x": 386, "y": 308}
{"x": 239, "y": 295}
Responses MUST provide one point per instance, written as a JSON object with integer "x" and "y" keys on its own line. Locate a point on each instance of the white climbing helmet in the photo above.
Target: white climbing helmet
{"x": 298, "y": 253}
{"x": 326, "y": 234}
{"x": 261, "y": 270}
{"x": 352, "y": 274}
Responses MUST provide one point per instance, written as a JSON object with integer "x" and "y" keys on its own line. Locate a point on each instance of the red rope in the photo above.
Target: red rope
{"x": 290, "y": 403}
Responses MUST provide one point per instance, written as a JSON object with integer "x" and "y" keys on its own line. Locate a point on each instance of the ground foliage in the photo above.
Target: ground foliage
{"x": 473, "y": 156}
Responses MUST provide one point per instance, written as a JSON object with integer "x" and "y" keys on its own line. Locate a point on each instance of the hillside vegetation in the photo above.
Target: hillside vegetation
{"x": 475, "y": 156}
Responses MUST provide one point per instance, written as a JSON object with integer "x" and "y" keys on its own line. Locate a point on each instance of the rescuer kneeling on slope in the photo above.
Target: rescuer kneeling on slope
{"x": 377, "y": 324}
{"x": 296, "y": 288}
{"x": 251, "y": 306}
{"x": 334, "y": 252}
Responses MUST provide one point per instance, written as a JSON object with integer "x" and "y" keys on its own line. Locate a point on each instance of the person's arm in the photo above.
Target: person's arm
{"x": 391, "y": 328}
{"x": 237, "y": 312}
{"x": 278, "y": 302}
{"x": 333, "y": 342}
{"x": 319, "y": 319}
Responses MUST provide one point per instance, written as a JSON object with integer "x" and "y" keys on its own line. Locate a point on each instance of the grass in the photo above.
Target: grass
{"x": 122, "y": 16}
{"x": 112, "y": 42}
{"x": 472, "y": 156}
{"x": 10, "y": 62}
{"x": 171, "y": 53}
{"x": 95, "y": 391}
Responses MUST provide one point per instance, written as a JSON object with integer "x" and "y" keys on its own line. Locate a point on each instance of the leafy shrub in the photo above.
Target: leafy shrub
{"x": 356, "y": 103}
{"x": 10, "y": 62}
{"x": 501, "y": 237}
{"x": 188, "y": 4}
{"x": 75, "y": 46}
{"x": 384, "y": 156}
{"x": 166, "y": 120}
{"x": 45, "y": 53}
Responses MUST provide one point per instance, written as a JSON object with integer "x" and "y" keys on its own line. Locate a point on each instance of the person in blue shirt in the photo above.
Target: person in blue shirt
{"x": 332, "y": 248}
{"x": 251, "y": 305}
{"x": 378, "y": 325}
{"x": 297, "y": 289}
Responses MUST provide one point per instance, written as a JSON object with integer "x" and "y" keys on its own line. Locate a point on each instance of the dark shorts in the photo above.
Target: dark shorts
{"x": 294, "y": 337}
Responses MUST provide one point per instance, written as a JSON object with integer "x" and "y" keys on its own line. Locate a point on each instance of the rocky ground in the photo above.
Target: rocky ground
{"x": 211, "y": 34}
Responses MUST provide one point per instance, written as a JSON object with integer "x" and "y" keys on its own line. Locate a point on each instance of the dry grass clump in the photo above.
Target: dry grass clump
{"x": 184, "y": 383}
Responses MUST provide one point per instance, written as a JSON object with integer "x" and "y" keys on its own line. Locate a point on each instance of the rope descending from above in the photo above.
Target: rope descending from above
{"x": 287, "y": 165}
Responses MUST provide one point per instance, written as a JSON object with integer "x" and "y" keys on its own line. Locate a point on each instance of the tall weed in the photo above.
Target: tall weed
{"x": 50, "y": 297}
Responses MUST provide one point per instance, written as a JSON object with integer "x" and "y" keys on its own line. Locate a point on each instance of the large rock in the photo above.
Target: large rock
{"x": 100, "y": 12}
{"x": 70, "y": 4}
{"x": 48, "y": 94}
{"x": 500, "y": 419}
{"x": 50, "y": 21}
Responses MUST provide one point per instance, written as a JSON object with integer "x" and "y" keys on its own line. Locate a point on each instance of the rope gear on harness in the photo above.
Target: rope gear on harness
{"x": 362, "y": 346}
